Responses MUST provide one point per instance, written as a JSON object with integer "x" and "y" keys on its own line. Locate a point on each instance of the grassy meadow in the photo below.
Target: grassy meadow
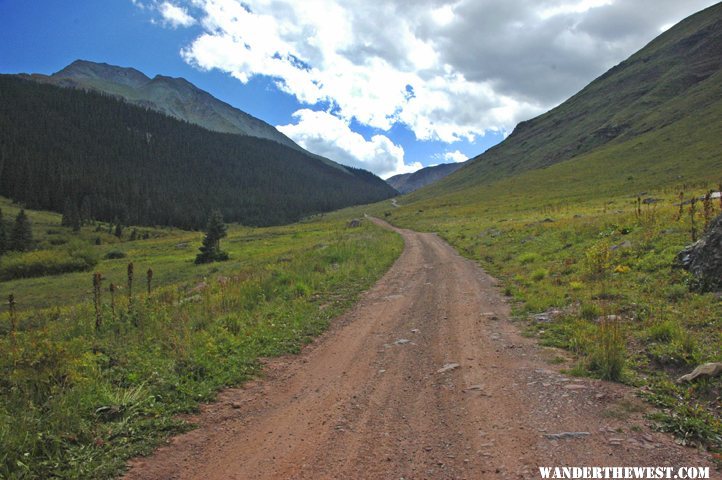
{"x": 77, "y": 400}
{"x": 589, "y": 267}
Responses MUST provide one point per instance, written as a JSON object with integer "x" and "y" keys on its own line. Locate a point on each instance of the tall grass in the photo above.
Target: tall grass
{"x": 604, "y": 251}
{"x": 607, "y": 358}
{"x": 82, "y": 389}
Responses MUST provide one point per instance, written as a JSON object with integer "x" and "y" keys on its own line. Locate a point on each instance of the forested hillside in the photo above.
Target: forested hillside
{"x": 62, "y": 145}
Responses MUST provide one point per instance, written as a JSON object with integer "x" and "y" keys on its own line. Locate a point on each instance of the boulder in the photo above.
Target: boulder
{"x": 706, "y": 370}
{"x": 703, "y": 259}
{"x": 353, "y": 223}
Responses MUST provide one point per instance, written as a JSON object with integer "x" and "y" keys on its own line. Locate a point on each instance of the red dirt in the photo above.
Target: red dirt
{"x": 360, "y": 403}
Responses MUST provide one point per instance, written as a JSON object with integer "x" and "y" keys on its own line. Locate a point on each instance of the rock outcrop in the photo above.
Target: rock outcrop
{"x": 704, "y": 258}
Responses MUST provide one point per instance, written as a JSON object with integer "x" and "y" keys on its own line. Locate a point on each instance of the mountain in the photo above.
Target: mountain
{"x": 60, "y": 146}
{"x": 408, "y": 182}
{"x": 653, "y": 118}
{"x": 176, "y": 97}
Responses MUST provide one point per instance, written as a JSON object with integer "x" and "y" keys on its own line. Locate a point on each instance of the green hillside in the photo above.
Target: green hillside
{"x": 646, "y": 117}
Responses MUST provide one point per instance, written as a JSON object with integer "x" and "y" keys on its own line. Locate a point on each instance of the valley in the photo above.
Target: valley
{"x": 529, "y": 307}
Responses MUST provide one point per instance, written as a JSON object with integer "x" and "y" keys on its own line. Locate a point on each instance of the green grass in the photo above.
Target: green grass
{"x": 76, "y": 402}
{"x": 587, "y": 252}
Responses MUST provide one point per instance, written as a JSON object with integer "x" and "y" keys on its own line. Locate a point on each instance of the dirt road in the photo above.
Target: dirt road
{"x": 425, "y": 378}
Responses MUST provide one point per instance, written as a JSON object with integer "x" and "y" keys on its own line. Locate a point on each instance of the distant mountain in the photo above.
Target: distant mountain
{"x": 176, "y": 97}
{"x": 408, "y": 182}
{"x": 654, "y": 116}
{"x": 121, "y": 161}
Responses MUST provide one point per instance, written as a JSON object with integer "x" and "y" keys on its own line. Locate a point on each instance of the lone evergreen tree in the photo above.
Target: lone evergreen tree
{"x": 3, "y": 235}
{"x": 211, "y": 247}
{"x": 21, "y": 237}
{"x": 71, "y": 216}
{"x": 86, "y": 211}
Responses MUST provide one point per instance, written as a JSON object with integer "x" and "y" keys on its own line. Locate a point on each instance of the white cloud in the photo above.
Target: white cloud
{"x": 578, "y": 7}
{"x": 446, "y": 69}
{"x": 175, "y": 16}
{"x": 367, "y": 60}
{"x": 331, "y": 137}
{"x": 455, "y": 156}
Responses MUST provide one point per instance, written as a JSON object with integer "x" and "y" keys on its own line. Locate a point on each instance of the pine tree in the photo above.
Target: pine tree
{"x": 86, "y": 211}
{"x": 3, "y": 236}
{"x": 211, "y": 247}
{"x": 21, "y": 237}
{"x": 71, "y": 216}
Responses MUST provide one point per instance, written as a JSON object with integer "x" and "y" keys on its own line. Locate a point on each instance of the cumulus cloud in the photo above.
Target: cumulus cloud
{"x": 331, "y": 137}
{"x": 456, "y": 156}
{"x": 372, "y": 61}
{"x": 175, "y": 16}
{"x": 446, "y": 69}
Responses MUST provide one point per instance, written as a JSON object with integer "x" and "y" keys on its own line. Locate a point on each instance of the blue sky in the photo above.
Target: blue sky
{"x": 388, "y": 86}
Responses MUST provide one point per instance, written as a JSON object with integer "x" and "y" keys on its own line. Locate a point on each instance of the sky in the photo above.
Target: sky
{"x": 385, "y": 85}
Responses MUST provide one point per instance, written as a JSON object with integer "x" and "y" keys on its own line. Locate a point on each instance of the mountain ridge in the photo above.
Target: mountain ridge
{"x": 675, "y": 75}
{"x": 173, "y": 96}
{"x": 409, "y": 182}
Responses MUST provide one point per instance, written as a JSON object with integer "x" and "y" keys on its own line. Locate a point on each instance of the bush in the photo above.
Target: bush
{"x": 528, "y": 257}
{"x": 114, "y": 255}
{"x": 598, "y": 258}
{"x": 539, "y": 274}
{"x": 675, "y": 293}
{"x": 665, "y": 331}
{"x": 590, "y": 311}
{"x": 607, "y": 359}
{"x": 301, "y": 289}
{"x": 38, "y": 263}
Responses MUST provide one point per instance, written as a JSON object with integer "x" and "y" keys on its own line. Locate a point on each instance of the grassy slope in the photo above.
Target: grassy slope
{"x": 676, "y": 73}
{"x": 75, "y": 403}
{"x": 544, "y": 246}
{"x": 567, "y": 236}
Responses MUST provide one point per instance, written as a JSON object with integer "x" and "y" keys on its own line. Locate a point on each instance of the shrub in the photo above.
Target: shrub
{"x": 675, "y": 293}
{"x": 590, "y": 311}
{"x": 115, "y": 254}
{"x": 539, "y": 274}
{"x": 598, "y": 258}
{"x": 665, "y": 331}
{"x": 301, "y": 289}
{"x": 528, "y": 257}
{"x": 38, "y": 263}
{"x": 607, "y": 358}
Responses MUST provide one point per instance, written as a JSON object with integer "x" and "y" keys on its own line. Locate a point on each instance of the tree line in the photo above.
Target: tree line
{"x": 96, "y": 157}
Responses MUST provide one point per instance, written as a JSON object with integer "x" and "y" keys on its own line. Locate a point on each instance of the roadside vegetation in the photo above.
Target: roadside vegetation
{"x": 96, "y": 367}
{"x": 589, "y": 268}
